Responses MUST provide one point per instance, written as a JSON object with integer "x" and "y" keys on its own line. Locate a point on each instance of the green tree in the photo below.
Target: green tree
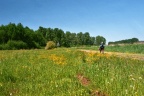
{"x": 11, "y": 31}
{"x": 43, "y": 31}
{"x": 68, "y": 40}
{"x": 73, "y": 39}
{"x": 38, "y": 37}
{"x": 3, "y": 34}
{"x": 86, "y": 38}
{"x": 100, "y": 39}
{"x": 134, "y": 40}
{"x": 126, "y": 41}
{"x": 92, "y": 40}
{"x": 59, "y": 36}
{"x": 50, "y": 34}
{"x": 80, "y": 38}
{"x": 2, "y": 37}
{"x": 20, "y": 31}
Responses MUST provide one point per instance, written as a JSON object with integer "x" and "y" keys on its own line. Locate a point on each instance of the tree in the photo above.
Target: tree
{"x": 73, "y": 39}
{"x": 92, "y": 40}
{"x": 11, "y": 30}
{"x": 43, "y": 31}
{"x": 100, "y": 39}
{"x": 80, "y": 38}
{"x": 68, "y": 40}
{"x": 2, "y": 36}
{"x": 126, "y": 41}
{"x": 49, "y": 34}
{"x": 20, "y": 35}
{"x": 38, "y": 37}
{"x": 59, "y": 36}
{"x": 86, "y": 38}
{"x": 134, "y": 40}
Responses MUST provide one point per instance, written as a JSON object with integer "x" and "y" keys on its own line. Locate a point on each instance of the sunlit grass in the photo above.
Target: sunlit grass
{"x": 54, "y": 73}
{"x": 133, "y": 48}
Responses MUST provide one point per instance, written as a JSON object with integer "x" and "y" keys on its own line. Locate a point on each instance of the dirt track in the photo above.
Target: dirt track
{"x": 126, "y": 55}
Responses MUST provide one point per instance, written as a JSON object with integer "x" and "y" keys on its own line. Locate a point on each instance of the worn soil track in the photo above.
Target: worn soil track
{"x": 86, "y": 82}
{"x": 125, "y": 55}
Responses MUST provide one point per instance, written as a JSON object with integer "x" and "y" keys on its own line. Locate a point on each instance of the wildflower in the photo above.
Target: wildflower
{"x": 126, "y": 91}
{"x": 133, "y": 79}
{"x": 136, "y": 93}
{"x": 1, "y": 84}
{"x": 131, "y": 75}
{"x": 10, "y": 94}
{"x": 131, "y": 86}
{"x": 140, "y": 78}
{"x": 112, "y": 79}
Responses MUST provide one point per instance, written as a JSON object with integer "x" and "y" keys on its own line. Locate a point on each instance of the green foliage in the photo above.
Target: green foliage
{"x": 13, "y": 45}
{"x": 16, "y": 45}
{"x": 127, "y": 41}
{"x": 50, "y": 45}
{"x": 18, "y": 37}
{"x": 38, "y": 38}
{"x": 100, "y": 39}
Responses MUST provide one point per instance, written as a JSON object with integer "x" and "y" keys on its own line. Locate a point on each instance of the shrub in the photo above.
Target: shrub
{"x": 2, "y": 46}
{"x": 50, "y": 45}
{"x": 33, "y": 44}
{"x": 16, "y": 45}
{"x": 37, "y": 45}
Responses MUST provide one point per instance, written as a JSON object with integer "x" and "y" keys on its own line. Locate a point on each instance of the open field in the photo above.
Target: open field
{"x": 69, "y": 72}
{"x": 133, "y": 48}
{"x": 119, "y": 54}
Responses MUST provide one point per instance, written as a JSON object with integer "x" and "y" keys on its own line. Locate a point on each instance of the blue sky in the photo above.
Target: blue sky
{"x": 113, "y": 19}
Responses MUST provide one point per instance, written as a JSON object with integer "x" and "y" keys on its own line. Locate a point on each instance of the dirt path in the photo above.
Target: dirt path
{"x": 126, "y": 55}
{"x": 86, "y": 82}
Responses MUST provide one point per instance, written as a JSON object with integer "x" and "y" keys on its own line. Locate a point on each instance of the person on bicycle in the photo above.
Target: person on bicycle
{"x": 101, "y": 47}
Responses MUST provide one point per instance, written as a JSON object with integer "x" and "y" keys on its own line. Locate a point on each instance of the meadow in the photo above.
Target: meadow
{"x": 69, "y": 72}
{"x": 131, "y": 48}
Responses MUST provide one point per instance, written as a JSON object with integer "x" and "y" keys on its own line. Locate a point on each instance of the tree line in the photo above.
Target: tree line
{"x": 16, "y": 36}
{"x": 126, "y": 41}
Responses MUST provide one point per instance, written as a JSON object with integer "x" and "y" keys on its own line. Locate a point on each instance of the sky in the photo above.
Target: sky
{"x": 113, "y": 19}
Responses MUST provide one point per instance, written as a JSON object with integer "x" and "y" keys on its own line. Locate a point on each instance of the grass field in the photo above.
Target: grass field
{"x": 134, "y": 48}
{"x": 69, "y": 72}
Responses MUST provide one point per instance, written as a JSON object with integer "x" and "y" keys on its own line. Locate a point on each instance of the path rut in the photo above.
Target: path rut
{"x": 125, "y": 55}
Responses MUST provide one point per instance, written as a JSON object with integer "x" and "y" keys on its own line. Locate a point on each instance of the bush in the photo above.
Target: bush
{"x": 2, "y": 46}
{"x": 33, "y": 44}
{"x": 15, "y": 45}
{"x": 37, "y": 45}
{"x": 50, "y": 45}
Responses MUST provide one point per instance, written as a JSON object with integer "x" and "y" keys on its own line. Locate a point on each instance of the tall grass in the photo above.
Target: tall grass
{"x": 54, "y": 73}
{"x": 127, "y": 48}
